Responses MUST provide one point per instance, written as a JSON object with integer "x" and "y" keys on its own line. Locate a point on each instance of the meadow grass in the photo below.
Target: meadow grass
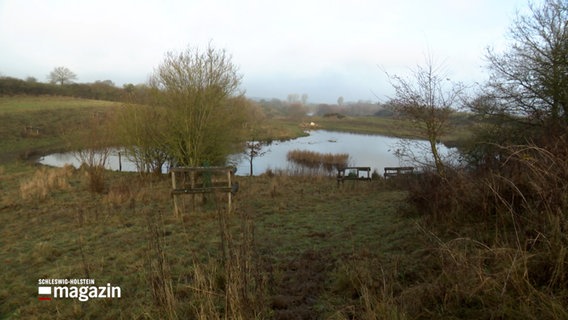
{"x": 459, "y": 129}
{"x": 298, "y": 227}
{"x": 19, "y": 104}
{"x": 32, "y": 126}
{"x": 295, "y": 245}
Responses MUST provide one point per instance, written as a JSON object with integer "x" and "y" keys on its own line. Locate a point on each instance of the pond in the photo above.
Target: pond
{"x": 372, "y": 151}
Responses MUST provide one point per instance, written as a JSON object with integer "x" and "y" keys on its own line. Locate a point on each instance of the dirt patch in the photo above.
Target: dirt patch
{"x": 299, "y": 284}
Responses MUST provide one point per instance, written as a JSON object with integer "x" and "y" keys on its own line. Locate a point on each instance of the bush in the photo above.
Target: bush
{"x": 95, "y": 178}
{"x": 501, "y": 235}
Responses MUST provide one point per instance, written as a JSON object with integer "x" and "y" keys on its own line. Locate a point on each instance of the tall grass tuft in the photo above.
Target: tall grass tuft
{"x": 232, "y": 287}
{"x": 158, "y": 272}
{"x": 45, "y": 181}
{"x": 371, "y": 288}
{"x": 245, "y": 289}
{"x": 318, "y": 162}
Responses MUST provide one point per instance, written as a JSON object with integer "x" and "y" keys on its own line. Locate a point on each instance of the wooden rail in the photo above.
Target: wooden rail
{"x": 396, "y": 171}
{"x": 199, "y": 180}
{"x": 354, "y": 173}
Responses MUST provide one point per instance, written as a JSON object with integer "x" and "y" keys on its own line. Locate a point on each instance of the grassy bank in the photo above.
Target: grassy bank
{"x": 460, "y": 128}
{"x": 35, "y": 125}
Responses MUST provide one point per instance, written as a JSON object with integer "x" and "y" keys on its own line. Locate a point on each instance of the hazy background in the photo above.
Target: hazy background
{"x": 326, "y": 48}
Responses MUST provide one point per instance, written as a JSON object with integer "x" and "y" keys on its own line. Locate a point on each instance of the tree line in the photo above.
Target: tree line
{"x": 98, "y": 90}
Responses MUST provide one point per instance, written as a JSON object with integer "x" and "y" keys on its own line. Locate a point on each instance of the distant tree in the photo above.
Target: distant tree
{"x": 531, "y": 77}
{"x": 104, "y": 90}
{"x": 107, "y": 83}
{"x": 340, "y": 101}
{"x": 428, "y": 98}
{"x": 11, "y": 86}
{"x": 256, "y": 130}
{"x": 293, "y": 98}
{"x": 61, "y": 76}
{"x": 323, "y": 109}
{"x": 304, "y": 99}
{"x": 296, "y": 110}
{"x": 128, "y": 87}
{"x": 273, "y": 107}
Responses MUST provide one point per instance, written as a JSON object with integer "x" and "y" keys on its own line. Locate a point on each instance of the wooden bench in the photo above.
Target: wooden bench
{"x": 354, "y": 173}
{"x": 397, "y": 171}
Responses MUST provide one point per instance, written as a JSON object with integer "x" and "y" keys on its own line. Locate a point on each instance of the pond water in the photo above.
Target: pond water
{"x": 372, "y": 151}
{"x": 116, "y": 160}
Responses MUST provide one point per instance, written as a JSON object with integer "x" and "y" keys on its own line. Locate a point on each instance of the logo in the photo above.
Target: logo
{"x": 80, "y": 289}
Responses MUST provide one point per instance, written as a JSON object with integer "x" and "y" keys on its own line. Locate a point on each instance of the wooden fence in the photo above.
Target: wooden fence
{"x": 353, "y": 173}
{"x": 201, "y": 180}
{"x": 397, "y": 171}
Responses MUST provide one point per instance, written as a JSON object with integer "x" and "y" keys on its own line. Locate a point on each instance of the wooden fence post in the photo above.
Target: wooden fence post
{"x": 174, "y": 195}
{"x": 198, "y": 180}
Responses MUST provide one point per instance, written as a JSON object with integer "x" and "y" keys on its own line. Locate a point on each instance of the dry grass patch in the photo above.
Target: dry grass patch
{"x": 500, "y": 238}
{"x": 44, "y": 181}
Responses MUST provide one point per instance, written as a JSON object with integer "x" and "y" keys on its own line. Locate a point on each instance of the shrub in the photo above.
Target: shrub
{"x": 95, "y": 177}
{"x": 502, "y": 235}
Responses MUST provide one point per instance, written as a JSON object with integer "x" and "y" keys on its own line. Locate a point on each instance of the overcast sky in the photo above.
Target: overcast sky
{"x": 325, "y": 48}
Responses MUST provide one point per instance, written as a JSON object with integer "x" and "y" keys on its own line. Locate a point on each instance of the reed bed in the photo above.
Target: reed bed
{"x": 318, "y": 162}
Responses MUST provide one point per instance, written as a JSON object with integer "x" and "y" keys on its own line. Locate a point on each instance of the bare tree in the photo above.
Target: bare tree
{"x": 304, "y": 99}
{"x": 293, "y": 98}
{"x": 427, "y": 98}
{"x": 531, "y": 77}
{"x": 61, "y": 75}
{"x": 256, "y": 131}
{"x": 254, "y": 149}
{"x": 197, "y": 89}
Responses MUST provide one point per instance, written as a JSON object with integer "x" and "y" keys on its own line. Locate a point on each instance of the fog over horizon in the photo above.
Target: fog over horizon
{"x": 319, "y": 48}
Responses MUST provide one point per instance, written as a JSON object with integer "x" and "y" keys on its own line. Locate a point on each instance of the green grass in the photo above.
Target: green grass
{"x": 369, "y": 125}
{"x": 55, "y": 229}
{"x": 296, "y": 220}
{"x": 42, "y": 103}
{"x": 49, "y": 118}
{"x": 459, "y": 130}
{"x": 283, "y": 129}
{"x": 293, "y": 247}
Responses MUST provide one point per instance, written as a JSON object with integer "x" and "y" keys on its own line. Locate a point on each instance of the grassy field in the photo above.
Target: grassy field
{"x": 20, "y": 104}
{"x": 292, "y": 247}
{"x": 35, "y": 125}
{"x": 460, "y": 128}
{"x": 304, "y": 235}
{"x": 303, "y": 245}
